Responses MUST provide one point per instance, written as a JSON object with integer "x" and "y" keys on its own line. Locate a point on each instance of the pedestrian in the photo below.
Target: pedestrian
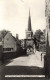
{"x": 35, "y": 44}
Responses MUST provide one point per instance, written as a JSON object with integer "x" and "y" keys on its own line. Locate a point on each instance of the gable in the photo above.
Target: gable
{"x": 9, "y": 38}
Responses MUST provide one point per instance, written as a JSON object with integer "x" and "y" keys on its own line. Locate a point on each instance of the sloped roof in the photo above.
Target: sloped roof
{"x": 29, "y": 22}
{"x": 14, "y": 37}
{"x": 11, "y": 35}
{"x": 3, "y": 36}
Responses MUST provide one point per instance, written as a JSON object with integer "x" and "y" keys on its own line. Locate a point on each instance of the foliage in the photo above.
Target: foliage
{"x": 3, "y": 33}
{"x": 37, "y": 34}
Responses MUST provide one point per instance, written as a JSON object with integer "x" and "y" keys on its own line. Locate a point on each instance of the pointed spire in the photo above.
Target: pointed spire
{"x": 29, "y": 22}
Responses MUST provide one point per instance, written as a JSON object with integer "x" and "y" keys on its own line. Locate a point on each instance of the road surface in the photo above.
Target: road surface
{"x": 27, "y": 67}
{"x": 28, "y": 60}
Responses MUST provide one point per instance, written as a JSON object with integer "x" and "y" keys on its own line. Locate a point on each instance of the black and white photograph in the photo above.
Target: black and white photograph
{"x": 24, "y": 39}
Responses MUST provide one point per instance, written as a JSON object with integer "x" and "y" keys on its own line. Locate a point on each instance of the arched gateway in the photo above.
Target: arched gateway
{"x": 29, "y": 41}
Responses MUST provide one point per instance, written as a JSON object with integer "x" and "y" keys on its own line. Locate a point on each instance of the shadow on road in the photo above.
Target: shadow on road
{"x": 24, "y": 70}
{"x": 2, "y": 71}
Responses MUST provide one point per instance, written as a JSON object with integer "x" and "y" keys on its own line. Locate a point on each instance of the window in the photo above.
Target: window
{"x": 7, "y": 49}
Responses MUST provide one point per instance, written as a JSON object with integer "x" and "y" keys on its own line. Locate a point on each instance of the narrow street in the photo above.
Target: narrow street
{"x": 27, "y": 60}
{"x": 27, "y": 67}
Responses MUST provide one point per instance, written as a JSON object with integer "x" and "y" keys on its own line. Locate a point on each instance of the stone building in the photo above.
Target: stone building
{"x": 8, "y": 46}
{"x": 23, "y": 43}
{"x": 29, "y": 32}
{"x": 29, "y": 41}
{"x": 47, "y": 14}
{"x": 9, "y": 43}
{"x": 47, "y": 59}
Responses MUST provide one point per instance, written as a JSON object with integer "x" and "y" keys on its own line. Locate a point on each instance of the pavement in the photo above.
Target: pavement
{"x": 26, "y": 67}
{"x": 30, "y": 59}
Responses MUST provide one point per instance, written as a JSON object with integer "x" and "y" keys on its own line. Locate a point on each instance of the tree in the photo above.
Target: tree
{"x": 3, "y": 33}
{"x": 37, "y": 34}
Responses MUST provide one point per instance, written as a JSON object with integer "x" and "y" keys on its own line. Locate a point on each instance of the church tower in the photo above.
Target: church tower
{"x": 29, "y": 33}
{"x": 29, "y": 41}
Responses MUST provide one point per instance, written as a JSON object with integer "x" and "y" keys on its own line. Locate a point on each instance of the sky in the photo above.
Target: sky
{"x": 14, "y": 16}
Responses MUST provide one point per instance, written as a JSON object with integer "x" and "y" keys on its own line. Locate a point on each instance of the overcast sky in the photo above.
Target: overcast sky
{"x": 14, "y": 15}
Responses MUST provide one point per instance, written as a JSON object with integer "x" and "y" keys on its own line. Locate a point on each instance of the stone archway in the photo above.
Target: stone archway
{"x": 30, "y": 49}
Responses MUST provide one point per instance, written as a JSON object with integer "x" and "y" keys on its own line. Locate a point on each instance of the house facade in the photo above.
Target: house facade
{"x": 9, "y": 43}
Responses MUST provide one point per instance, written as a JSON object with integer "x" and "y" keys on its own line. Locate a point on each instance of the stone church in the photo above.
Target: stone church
{"x": 29, "y": 32}
{"x": 28, "y": 43}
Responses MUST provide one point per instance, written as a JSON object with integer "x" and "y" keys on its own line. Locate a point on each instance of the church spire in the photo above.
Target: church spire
{"x": 29, "y": 33}
{"x": 29, "y": 22}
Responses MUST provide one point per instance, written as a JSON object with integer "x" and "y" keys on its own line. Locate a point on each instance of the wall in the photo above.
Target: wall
{"x": 47, "y": 57}
{"x": 9, "y": 42}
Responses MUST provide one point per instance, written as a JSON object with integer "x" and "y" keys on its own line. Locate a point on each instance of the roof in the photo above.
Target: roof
{"x": 29, "y": 22}
{"x": 14, "y": 37}
{"x": 3, "y": 36}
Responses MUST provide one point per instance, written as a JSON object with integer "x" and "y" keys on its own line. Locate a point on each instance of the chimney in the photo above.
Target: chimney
{"x": 16, "y": 36}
